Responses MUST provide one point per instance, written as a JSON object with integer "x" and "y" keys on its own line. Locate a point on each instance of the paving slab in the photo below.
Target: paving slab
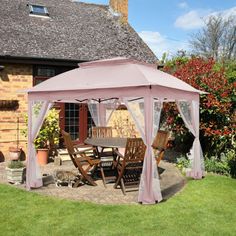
{"x": 171, "y": 181}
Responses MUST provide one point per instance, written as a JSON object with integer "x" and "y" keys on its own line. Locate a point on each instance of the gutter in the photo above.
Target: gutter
{"x": 40, "y": 61}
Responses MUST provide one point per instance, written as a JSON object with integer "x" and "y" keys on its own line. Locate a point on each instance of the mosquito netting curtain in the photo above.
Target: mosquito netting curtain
{"x": 101, "y": 110}
{"x": 146, "y": 114}
{"x": 37, "y": 110}
{"x": 189, "y": 111}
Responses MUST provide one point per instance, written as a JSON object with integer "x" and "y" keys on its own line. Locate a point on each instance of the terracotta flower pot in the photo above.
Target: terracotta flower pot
{"x": 42, "y": 156}
{"x": 14, "y": 153}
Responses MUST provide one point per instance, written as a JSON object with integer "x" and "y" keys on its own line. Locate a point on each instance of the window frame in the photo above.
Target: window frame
{"x": 33, "y": 12}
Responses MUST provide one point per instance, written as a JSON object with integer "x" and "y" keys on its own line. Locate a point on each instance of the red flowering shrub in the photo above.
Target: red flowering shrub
{"x": 216, "y": 108}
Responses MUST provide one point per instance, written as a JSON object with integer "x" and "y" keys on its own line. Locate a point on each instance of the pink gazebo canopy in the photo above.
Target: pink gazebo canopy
{"x": 106, "y": 78}
{"x": 119, "y": 78}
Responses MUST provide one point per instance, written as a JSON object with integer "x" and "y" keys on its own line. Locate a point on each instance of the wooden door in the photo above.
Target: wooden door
{"x": 76, "y": 120}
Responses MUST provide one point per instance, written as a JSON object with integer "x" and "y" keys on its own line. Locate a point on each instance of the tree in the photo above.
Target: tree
{"x": 216, "y": 109}
{"x": 217, "y": 39}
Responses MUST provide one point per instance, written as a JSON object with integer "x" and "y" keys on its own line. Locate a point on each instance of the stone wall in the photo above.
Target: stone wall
{"x": 13, "y": 77}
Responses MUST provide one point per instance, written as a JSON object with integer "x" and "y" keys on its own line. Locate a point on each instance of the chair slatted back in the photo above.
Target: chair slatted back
{"x": 76, "y": 156}
{"x": 161, "y": 140}
{"x": 160, "y": 144}
{"x": 69, "y": 146}
{"x": 135, "y": 150}
{"x": 130, "y": 165}
{"x": 79, "y": 159}
{"x": 68, "y": 142}
{"x": 101, "y": 132}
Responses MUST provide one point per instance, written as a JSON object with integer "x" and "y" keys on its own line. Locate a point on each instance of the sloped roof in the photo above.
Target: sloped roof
{"x": 74, "y": 30}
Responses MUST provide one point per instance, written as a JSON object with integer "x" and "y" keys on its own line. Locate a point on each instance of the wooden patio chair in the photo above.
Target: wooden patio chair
{"x": 101, "y": 132}
{"x": 129, "y": 166}
{"x": 82, "y": 161}
{"x": 106, "y": 154}
{"x": 160, "y": 144}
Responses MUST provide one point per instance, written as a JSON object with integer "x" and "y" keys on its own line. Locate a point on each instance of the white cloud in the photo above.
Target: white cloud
{"x": 160, "y": 43}
{"x": 190, "y": 20}
{"x": 183, "y": 5}
{"x": 195, "y": 19}
{"x": 225, "y": 13}
{"x": 151, "y": 37}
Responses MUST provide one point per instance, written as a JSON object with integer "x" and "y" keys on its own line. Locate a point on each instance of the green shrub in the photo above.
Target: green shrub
{"x": 219, "y": 166}
{"x": 48, "y": 135}
{"x": 182, "y": 163}
{"x": 225, "y": 165}
{"x": 231, "y": 158}
{"x": 15, "y": 165}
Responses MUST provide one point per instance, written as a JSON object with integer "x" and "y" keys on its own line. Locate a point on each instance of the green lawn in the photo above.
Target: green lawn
{"x": 204, "y": 207}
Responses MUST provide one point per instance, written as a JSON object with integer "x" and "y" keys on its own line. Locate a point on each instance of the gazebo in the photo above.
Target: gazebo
{"x": 103, "y": 85}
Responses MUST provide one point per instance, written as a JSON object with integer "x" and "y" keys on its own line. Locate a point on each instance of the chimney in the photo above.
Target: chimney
{"x": 120, "y": 7}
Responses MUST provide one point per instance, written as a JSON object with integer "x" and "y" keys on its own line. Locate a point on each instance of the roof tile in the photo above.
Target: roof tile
{"x": 74, "y": 30}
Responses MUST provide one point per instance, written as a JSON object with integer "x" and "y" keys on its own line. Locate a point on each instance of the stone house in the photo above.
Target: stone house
{"x": 42, "y": 38}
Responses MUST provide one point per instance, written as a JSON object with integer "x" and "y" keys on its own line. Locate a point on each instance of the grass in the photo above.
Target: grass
{"x": 206, "y": 207}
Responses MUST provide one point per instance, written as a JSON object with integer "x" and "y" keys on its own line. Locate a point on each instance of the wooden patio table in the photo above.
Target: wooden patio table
{"x": 113, "y": 142}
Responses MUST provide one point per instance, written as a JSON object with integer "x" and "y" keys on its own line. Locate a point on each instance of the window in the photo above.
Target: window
{"x": 38, "y": 10}
{"x": 72, "y": 119}
{"x": 46, "y": 72}
{"x": 49, "y": 70}
{"x": 43, "y": 72}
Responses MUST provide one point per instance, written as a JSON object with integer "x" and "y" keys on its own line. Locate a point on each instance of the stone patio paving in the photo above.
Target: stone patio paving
{"x": 171, "y": 181}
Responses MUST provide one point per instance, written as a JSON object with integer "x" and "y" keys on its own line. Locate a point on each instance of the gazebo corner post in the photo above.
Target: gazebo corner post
{"x": 149, "y": 190}
{"x": 33, "y": 180}
{"x": 197, "y": 169}
{"x": 29, "y": 145}
{"x": 189, "y": 111}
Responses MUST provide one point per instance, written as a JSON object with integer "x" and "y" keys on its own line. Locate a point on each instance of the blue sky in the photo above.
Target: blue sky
{"x": 166, "y": 25}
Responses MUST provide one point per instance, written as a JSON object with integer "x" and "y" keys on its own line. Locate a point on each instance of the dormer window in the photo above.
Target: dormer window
{"x": 38, "y": 10}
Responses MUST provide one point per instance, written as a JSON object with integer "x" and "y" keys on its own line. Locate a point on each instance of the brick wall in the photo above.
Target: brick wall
{"x": 123, "y": 124}
{"x": 14, "y": 77}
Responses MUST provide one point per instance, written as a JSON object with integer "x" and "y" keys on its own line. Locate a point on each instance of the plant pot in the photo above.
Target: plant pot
{"x": 15, "y": 176}
{"x": 14, "y": 153}
{"x": 42, "y": 156}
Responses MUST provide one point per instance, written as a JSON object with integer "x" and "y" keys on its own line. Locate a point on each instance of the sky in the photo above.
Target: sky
{"x": 168, "y": 25}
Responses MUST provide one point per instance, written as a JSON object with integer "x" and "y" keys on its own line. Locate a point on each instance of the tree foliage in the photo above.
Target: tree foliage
{"x": 217, "y": 39}
{"x": 217, "y": 129}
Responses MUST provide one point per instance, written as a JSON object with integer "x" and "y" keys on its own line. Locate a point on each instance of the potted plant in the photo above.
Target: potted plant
{"x": 15, "y": 170}
{"x": 15, "y": 152}
{"x": 42, "y": 147}
{"x": 48, "y": 136}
